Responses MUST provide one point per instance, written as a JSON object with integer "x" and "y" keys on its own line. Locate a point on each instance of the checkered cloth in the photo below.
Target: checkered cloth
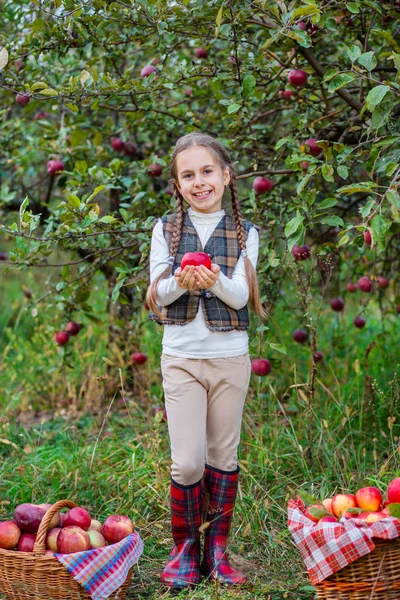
{"x": 328, "y": 547}
{"x": 103, "y": 570}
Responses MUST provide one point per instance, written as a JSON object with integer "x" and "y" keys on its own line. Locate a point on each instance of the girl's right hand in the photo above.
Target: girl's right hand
{"x": 186, "y": 278}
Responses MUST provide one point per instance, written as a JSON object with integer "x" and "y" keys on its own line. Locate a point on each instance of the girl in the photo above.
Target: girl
{"x": 205, "y": 363}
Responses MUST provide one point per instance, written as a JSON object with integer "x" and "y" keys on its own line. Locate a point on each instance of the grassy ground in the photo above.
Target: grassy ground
{"x": 79, "y": 423}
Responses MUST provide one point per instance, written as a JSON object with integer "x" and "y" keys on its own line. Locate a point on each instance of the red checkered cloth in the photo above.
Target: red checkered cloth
{"x": 328, "y": 547}
{"x": 103, "y": 570}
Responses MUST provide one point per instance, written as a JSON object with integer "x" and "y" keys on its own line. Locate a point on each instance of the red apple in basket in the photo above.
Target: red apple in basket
{"x": 328, "y": 505}
{"x": 196, "y": 259}
{"x": 315, "y": 512}
{"x": 28, "y": 517}
{"x": 55, "y": 521}
{"x": 341, "y": 502}
{"x": 393, "y": 492}
{"x": 95, "y": 525}
{"x": 116, "y": 528}
{"x": 78, "y": 517}
{"x": 62, "y": 519}
{"x": 9, "y": 535}
{"x": 97, "y": 540}
{"x": 72, "y": 539}
{"x": 369, "y": 498}
{"x": 51, "y": 539}
{"x": 26, "y": 542}
{"x": 328, "y": 519}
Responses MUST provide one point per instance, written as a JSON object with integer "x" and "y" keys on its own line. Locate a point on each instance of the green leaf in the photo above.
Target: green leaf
{"x": 304, "y": 11}
{"x": 233, "y": 108}
{"x": 3, "y": 58}
{"x": 280, "y": 143}
{"x": 300, "y": 36}
{"x": 340, "y": 81}
{"x": 219, "y": 20}
{"x": 73, "y": 200}
{"x": 328, "y": 203}
{"x": 308, "y": 498}
{"x": 22, "y": 212}
{"x": 334, "y": 221}
{"x": 49, "y": 92}
{"x": 394, "y": 198}
{"x": 379, "y": 228}
{"x": 318, "y": 512}
{"x": 108, "y": 219}
{"x": 376, "y": 95}
{"x": 343, "y": 171}
{"x": 38, "y": 25}
{"x": 293, "y": 225}
{"x": 327, "y": 172}
{"x": 368, "y": 60}
{"x": 353, "y": 53}
{"x": 363, "y": 186}
{"x": 72, "y": 107}
{"x": 394, "y": 509}
{"x": 278, "y": 347}
{"x": 329, "y": 74}
{"x": 353, "y": 7}
{"x": 39, "y": 85}
{"x": 248, "y": 86}
{"x": 366, "y": 209}
{"x": 302, "y": 184}
{"x": 343, "y": 240}
{"x": 96, "y": 191}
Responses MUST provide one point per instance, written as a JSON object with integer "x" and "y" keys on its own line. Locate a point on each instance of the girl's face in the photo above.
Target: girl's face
{"x": 199, "y": 172}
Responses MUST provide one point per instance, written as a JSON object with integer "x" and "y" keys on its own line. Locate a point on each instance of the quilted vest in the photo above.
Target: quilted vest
{"x": 223, "y": 247}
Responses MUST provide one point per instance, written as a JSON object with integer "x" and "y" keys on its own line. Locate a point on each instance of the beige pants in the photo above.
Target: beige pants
{"x": 204, "y": 400}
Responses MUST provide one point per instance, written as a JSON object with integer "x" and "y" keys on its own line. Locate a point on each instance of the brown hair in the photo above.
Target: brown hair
{"x": 222, "y": 157}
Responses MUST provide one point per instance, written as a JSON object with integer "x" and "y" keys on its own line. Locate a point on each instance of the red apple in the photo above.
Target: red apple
{"x": 51, "y": 539}
{"x": 95, "y": 525}
{"x": 304, "y": 165}
{"x": 382, "y": 282}
{"x": 138, "y": 358}
{"x": 260, "y": 366}
{"x": 72, "y": 539}
{"x": 196, "y": 259}
{"x": 328, "y": 520}
{"x": 341, "y": 502}
{"x": 97, "y": 539}
{"x": 297, "y": 77}
{"x": 148, "y": 70}
{"x": 300, "y": 336}
{"x": 352, "y": 287}
{"x": 9, "y": 535}
{"x": 188, "y": 92}
{"x": 62, "y": 338}
{"x": 116, "y": 528}
{"x": 393, "y": 492}
{"x": 26, "y": 542}
{"x": 320, "y": 510}
{"x": 367, "y": 238}
{"x": 72, "y": 328}
{"x": 117, "y": 144}
{"x": 62, "y": 518}
{"x": 359, "y": 322}
{"x": 301, "y": 252}
{"x": 328, "y": 504}
{"x": 22, "y": 99}
{"x": 55, "y": 166}
{"x": 3, "y": 256}
{"x": 28, "y": 517}
{"x": 201, "y": 53}
{"x": 369, "y": 498}
{"x": 302, "y": 25}
{"x": 313, "y": 149}
{"x": 130, "y": 149}
{"x": 155, "y": 170}
{"x": 41, "y": 115}
{"x": 78, "y": 517}
{"x": 373, "y": 517}
{"x": 285, "y": 94}
{"x": 337, "y": 304}
{"x": 262, "y": 185}
{"x": 365, "y": 284}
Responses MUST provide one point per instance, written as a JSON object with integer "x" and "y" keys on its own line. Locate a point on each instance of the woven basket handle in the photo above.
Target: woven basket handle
{"x": 39, "y": 545}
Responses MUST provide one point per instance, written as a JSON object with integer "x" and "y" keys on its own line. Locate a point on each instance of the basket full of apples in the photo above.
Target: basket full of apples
{"x": 350, "y": 543}
{"x": 45, "y": 553}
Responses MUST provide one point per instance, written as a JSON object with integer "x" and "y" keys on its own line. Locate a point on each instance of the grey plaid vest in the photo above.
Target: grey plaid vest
{"x": 223, "y": 247}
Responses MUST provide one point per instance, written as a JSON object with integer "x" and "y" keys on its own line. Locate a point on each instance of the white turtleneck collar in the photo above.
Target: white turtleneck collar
{"x": 200, "y": 217}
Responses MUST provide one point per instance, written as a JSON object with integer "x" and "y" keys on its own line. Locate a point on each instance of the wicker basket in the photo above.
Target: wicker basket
{"x": 375, "y": 576}
{"x": 35, "y": 576}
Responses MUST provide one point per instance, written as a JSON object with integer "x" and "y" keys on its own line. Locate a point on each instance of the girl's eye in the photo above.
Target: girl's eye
{"x": 209, "y": 170}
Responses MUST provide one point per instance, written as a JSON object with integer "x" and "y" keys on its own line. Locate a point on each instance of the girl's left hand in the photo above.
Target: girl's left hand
{"x": 206, "y": 278}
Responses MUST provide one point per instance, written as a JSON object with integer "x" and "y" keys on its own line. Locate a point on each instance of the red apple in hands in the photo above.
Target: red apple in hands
{"x": 260, "y": 366}
{"x": 116, "y": 528}
{"x": 72, "y": 539}
{"x": 78, "y": 517}
{"x": 196, "y": 259}
{"x": 9, "y": 535}
{"x": 26, "y": 542}
{"x": 369, "y": 498}
{"x": 393, "y": 492}
{"x": 341, "y": 502}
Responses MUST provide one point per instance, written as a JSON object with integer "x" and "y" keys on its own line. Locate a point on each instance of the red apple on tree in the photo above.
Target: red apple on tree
{"x": 117, "y": 144}
{"x": 41, "y": 115}
{"x": 304, "y": 165}
{"x": 318, "y": 356}
{"x": 155, "y": 170}
{"x": 313, "y": 149}
{"x": 138, "y": 358}
{"x": 352, "y": 287}
{"x": 300, "y": 336}
{"x": 130, "y": 149}
{"x": 22, "y": 99}
{"x": 62, "y": 338}
{"x": 72, "y": 328}
{"x": 148, "y": 70}
{"x": 55, "y": 166}
{"x": 365, "y": 284}
{"x": 297, "y": 77}
{"x": 359, "y": 322}
{"x": 382, "y": 282}
{"x": 301, "y": 252}
{"x": 367, "y": 238}
{"x": 201, "y": 53}
{"x": 116, "y": 528}
{"x": 260, "y": 366}
{"x": 337, "y": 304}
{"x": 262, "y": 185}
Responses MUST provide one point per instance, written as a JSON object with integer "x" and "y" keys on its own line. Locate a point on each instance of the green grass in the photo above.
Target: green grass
{"x": 68, "y": 434}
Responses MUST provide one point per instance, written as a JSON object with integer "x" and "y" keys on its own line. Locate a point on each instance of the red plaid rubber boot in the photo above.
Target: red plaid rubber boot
{"x": 222, "y": 489}
{"x": 182, "y": 567}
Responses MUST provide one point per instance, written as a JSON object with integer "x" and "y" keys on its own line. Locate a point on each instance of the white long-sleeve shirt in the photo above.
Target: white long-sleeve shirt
{"x": 194, "y": 339}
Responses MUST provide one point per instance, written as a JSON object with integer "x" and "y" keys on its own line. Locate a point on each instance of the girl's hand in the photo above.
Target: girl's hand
{"x": 186, "y": 278}
{"x": 206, "y": 278}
